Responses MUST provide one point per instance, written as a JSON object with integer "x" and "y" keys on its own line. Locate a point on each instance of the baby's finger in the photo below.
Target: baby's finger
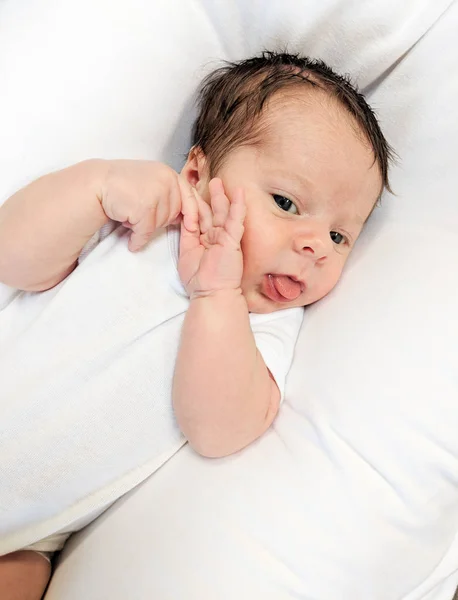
{"x": 205, "y": 215}
{"x": 143, "y": 228}
{"x": 219, "y": 202}
{"x": 237, "y": 212}
{"x": 189, "y": 240}
{"x": 139, "y": 239}
{"x": 189, "y": 207}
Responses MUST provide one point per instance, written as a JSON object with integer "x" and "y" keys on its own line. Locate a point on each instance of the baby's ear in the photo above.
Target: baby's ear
{"x": 195, "y": 169}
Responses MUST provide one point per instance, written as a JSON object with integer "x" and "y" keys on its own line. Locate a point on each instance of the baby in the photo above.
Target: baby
{"x": 288, "y": 162}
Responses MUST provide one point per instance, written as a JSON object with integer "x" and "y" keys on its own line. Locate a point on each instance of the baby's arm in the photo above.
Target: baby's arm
{"x": 224, "y": 396}
{"x": 44, "y": 226}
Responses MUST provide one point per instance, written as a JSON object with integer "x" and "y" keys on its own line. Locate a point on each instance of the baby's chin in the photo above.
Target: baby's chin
{"x": 259, "y": 304}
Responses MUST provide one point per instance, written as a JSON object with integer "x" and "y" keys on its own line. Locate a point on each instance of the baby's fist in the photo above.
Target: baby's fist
{"x": 144, "y": 195}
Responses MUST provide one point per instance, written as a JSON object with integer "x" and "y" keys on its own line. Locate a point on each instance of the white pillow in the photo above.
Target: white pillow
{"x": 115, "y": 78}
{"x": 353, "y": 494}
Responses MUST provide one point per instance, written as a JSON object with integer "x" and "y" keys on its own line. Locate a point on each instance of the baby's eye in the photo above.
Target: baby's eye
{"x": 337, "y": 237}
{"x": 285, "y": 203}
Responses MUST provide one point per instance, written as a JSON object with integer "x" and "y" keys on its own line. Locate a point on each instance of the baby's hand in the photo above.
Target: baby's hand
{"x": 145, "y": 195}
{"x": 211, "y": 259}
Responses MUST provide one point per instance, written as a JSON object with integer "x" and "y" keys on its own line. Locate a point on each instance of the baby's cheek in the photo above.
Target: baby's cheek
{"x": 328, "y": 282}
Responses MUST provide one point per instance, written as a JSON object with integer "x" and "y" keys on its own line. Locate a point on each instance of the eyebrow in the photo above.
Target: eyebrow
{"x": 359, "y": 220}
{"x": 300, "y": 181}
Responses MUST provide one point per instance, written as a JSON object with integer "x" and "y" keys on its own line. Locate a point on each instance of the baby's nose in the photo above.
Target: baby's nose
{"x": 316, "y": 244}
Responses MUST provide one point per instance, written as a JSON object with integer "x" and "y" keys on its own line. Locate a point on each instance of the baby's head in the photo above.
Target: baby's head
{"x": 310, "y": 155}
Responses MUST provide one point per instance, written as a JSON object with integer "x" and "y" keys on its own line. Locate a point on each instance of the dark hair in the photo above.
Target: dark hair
{"x": 232, "y": 98}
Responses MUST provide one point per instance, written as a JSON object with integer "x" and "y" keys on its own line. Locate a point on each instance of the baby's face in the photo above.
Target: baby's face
{"x": 309, "y": 186}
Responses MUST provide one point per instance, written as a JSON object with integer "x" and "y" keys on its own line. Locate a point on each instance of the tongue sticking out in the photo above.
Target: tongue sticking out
{"x": 286, "y": 287}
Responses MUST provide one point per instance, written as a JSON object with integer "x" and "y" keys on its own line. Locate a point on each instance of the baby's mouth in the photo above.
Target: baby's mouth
{"x": 281, "y": 288}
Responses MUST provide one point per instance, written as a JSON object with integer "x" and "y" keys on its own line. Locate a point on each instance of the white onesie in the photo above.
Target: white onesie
{"x": 86, "y": 371}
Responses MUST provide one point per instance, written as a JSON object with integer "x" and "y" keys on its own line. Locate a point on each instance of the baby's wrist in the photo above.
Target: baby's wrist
{"x": 91, "y": 175}
{"x": 87, "y": 177}
{"x": 96, "y": 171}
{"x": 223, "y": 295}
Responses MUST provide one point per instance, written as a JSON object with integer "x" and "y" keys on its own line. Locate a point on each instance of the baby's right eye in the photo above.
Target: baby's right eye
{"x": 285, "y": 203}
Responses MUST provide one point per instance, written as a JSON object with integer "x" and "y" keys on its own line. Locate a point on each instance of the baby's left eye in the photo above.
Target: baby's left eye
{"x": 285, "y": 203}
{"x": 337, "y": 237}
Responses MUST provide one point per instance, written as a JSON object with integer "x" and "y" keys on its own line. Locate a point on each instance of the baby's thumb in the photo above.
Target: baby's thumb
{"x": 137, "y": 241}
{"x": 189, "y": 208}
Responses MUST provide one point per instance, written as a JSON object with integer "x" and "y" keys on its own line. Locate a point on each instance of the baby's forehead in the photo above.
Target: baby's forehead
{"x": 309, "y": 119}
{"x": 294, "y": 107}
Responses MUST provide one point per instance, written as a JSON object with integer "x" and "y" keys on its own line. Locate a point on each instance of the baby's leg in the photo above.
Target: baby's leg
{"x": 24, "y": 575}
